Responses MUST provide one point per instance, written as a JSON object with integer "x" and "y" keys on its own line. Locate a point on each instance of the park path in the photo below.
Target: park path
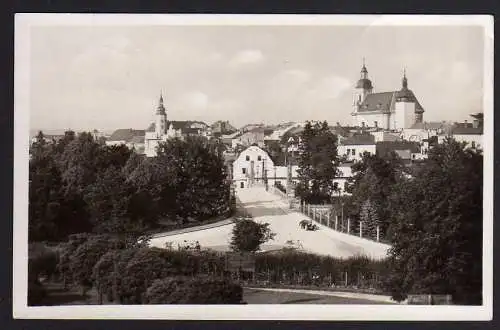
{"x": 269, "y": 208}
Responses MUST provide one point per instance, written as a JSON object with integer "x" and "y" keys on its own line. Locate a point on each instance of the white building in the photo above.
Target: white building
{"x": 251, "y": 166}
{"x": 470, "y": 133}
{"x": 132, "y": 138}
{"x": 354, "y": 147}
{"x": 421, "y": 131}
{"x": 162, "y": 130}
{"x": 392, "y": 110}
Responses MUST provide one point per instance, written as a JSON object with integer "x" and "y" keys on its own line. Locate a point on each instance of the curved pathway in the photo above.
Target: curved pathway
{"x": 269, "y": 208}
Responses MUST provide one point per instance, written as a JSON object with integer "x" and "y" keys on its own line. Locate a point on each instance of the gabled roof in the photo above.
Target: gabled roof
{"x": 377, "y": 102}
{"x": 384, "y": 101}
{"x": 359, "y": 139}
{"x": 126, "y": 134}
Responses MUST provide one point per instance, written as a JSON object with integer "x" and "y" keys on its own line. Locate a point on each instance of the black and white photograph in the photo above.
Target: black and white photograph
{"x": 283, "y": 167}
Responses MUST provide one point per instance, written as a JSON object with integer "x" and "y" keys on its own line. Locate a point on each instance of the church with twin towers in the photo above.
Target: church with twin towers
{"x": 392, "y": 110}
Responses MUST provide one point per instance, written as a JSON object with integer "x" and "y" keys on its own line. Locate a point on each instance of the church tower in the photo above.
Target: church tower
{"x": 160, "y": 118}
{"x": 363, "y": 88}
{"x": 405, "y": 106}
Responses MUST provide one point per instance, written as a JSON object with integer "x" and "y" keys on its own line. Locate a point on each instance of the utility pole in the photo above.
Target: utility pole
{"x": 264, "y": 173}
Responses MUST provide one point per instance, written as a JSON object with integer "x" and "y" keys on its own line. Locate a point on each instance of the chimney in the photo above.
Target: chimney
{"x": 475, "y": 123}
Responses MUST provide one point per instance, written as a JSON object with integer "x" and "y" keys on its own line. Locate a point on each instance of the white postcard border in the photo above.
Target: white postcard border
{"x": 23, "y": 25}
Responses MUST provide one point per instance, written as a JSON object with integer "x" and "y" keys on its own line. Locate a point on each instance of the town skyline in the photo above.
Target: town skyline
{"x": 111, "y": 77}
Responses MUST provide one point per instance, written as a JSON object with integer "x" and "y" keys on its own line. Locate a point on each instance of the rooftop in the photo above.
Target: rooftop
{"x": 126, "y": 134}
{"x": 359, "y": 139}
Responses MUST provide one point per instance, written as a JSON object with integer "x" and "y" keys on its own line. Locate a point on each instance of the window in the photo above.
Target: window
{"x": 259, "y": 158}
{"x": 248, "y": 157}
{"x": 473, "y": 143}
{"x": 244, "y": 170}
{"x": 348, "y": 151}
{"x": 242, "y": 185}
{"x": 345, "y": 186}
{"x": 375, "y": 123}
{"x": 354, "y": 152}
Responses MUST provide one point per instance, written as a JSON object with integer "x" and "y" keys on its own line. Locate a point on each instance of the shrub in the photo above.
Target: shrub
{"x": 183, "y": 290}
{"x": 248, "y": 235}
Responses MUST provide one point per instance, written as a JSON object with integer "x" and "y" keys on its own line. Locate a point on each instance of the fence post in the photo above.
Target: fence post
{"x": 346, "y": 279}
{"x": 328, "y": 219}
{"x": 348, "y": 225}
{"x": 320, "y": 217}
{"x": 361, "y": 229}
{"x": 378, "y": 233}
{"x": 336, "y": 221}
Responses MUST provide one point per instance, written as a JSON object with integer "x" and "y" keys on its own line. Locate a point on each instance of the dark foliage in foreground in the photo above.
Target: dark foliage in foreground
{"x": 438, "y": 226}
{"x": 81, "y": 185}
{"x": 185, "y": 290}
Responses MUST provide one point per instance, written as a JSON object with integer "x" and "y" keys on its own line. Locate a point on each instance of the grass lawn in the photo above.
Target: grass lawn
{"x": 252, "y": 296}
{"x": 58, "y": 296}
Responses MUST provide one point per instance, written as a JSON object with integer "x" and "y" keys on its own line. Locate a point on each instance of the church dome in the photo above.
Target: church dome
{"x": 364, "y": 83}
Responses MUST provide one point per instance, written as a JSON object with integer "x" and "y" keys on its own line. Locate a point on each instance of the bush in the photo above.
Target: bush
{"x": 248, "y": 235}
{"x": 183, "y": 290}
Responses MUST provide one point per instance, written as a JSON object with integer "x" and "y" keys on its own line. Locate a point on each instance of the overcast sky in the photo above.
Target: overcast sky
{"x": 111, "y": 77}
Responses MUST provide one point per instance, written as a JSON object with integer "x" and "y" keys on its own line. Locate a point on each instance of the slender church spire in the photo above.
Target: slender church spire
{"x": 405, "y": 80}
{"x": 160, "y": 110}
{"x": 364, "y": 71}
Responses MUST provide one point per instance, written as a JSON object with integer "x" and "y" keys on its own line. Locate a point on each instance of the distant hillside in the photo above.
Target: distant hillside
{"x": 34, "y": 131}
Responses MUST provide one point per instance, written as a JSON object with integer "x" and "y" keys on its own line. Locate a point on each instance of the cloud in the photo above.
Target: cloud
{"x": 196, "y": 100}
{"x": 330, "y": 87}
{"x": 245, "y": 57}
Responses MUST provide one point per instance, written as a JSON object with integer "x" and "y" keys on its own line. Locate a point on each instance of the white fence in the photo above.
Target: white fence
{"x": 328, "y": 215}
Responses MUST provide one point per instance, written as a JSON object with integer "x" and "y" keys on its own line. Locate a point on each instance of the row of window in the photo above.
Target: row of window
{"x": 259, "y": 158}
{"x": 351, "y": 150}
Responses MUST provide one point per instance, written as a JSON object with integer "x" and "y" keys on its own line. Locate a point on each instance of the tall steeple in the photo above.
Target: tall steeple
{"x": 161, "y": 118}
{"x": 364, "y": 71}
{"x": 405, "y": 80}
{"x": 160, "y": 110}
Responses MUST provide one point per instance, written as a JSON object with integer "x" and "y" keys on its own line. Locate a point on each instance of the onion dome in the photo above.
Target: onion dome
{"x": 364, "y": 82}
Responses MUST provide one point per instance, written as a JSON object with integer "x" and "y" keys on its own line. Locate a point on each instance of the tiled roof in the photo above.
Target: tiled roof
{"x": 385, "y": 101}
{"x": 126, "y": 134}
{"x": 359, "y": 139}
{"x": 377, "y": 102}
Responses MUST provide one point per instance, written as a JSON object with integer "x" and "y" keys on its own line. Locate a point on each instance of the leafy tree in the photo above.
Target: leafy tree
{"x": 437, "y": 236}
{"x": 318, "y": 162}
{"x": 87, "y": 254}
{"x": 248, "y": 235}
{"x": 195, "y": 176}
{"x": 371, "y": 185}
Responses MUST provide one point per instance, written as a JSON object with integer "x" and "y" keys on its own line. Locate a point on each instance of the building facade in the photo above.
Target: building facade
{"x": 393, "y": 110}
{"x": 162, "y": 129}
